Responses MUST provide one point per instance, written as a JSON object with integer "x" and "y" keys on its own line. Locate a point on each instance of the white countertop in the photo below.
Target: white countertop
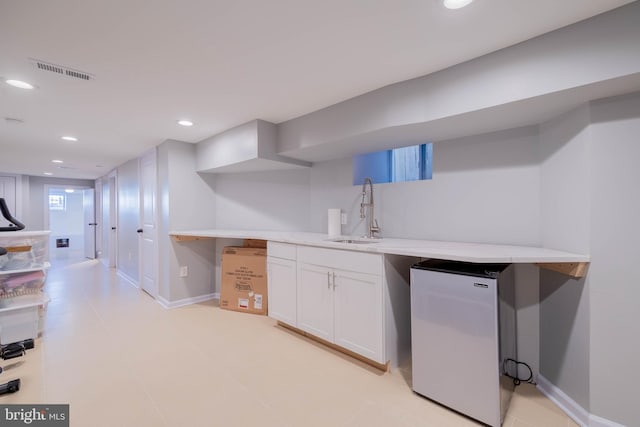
{"x": 455, "y": 251}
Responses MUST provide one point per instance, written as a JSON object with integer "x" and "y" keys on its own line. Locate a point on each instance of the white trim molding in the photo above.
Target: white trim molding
{"x": 571, "y": 407}
{"x": 127, "y": 278}
{"x": 187, "y": 301}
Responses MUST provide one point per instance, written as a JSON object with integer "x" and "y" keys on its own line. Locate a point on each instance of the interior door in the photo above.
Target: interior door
{"x": 148, "y": 231}
{"x": 113, "y": 221}
{"x": 89, "y": 209}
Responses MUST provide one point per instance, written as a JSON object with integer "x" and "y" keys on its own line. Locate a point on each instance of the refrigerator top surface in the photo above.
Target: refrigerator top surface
{"x": 463, "y": 268}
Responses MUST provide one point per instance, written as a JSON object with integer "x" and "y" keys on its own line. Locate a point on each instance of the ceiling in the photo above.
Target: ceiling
{"x": 221, "y": 63}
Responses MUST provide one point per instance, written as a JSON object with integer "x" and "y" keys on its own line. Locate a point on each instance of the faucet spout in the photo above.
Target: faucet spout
{"x": 366, "y": 208}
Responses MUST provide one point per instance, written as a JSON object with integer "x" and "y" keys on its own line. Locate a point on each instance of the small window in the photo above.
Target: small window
{"x": 57, "y": 202}
{"x": 400, "y": 164}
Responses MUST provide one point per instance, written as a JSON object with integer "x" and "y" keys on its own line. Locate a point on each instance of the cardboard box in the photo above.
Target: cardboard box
{"x": 254, "y": 243}
{"x": 244, "y": 280}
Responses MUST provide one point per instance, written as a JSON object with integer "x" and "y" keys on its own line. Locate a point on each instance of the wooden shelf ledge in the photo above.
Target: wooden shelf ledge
{"x": 573, "y": 269}
{"x": 18, "y": 248}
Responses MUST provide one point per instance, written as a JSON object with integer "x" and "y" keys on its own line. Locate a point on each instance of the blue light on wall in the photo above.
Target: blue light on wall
{"x": 400, "y": 164}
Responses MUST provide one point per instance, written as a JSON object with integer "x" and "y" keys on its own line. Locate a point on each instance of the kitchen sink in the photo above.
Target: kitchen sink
{"x": 355, "y": 241}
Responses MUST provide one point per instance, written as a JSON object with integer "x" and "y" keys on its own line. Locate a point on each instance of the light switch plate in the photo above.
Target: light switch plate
{"x": 343, "y": 218}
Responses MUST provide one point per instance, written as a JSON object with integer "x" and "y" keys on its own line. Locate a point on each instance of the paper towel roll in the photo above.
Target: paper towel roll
{"x": 334, "y": 226}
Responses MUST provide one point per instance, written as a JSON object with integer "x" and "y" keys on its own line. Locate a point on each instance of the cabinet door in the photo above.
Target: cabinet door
{"x": 315, "y": 300}
{"x": 282, "y": 290}
{"x": 358, "y": 313}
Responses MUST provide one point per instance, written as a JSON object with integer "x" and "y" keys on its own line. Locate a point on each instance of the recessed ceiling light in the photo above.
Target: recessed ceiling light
{"x": 456, "y": 4}
{"x": 69, "y": 190}
{"x": 47, "y": 173}
{"x": 19, "y": 83}
{"x": 70, "y": 138}
{"x": 185, "y": 122}
{"x": 57, "y": 161}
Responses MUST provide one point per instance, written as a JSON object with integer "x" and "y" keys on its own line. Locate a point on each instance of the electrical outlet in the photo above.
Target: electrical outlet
{"x": 343, "y": 218}
{"x": 184, "y": 271}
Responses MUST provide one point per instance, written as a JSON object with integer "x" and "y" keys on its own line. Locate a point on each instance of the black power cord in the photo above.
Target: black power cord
{"x": 11, "y": 351}
{"x": 516, "y": 380}
{"x": 16, "y": 349}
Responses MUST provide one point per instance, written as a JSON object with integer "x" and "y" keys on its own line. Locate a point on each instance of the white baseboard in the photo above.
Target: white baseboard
{"x": 570, "y": 407}
{"x": 596, "y": 421}
{"x": 128, "y": 278}
{"x": 187, "y": 301}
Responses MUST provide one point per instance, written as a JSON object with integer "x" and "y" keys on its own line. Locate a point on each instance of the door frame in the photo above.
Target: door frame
{"x": 47, "y": 187}
{"x": 47, "y": 211}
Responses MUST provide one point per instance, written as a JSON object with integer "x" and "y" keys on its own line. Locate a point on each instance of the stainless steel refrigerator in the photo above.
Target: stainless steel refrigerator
{"x": 463, "y": 331}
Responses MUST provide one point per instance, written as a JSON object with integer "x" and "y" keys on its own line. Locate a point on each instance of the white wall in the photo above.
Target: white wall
{"x": 484, "y": 189}
{"x": 589, "y": 204}
{"x": 186, "y": 200}
{"x": 10, "y": 192}
{"x": 615, "y": 251}
{"x": 565, "y": 198}
{"x": 565, "y": 206}
{"x": 331, "y": 188}
{"x": 277, "y": 200}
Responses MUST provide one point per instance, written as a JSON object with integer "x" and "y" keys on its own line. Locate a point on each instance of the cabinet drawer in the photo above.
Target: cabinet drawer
{"x": 281, "y": 250}
{"x": 360, "y": 262}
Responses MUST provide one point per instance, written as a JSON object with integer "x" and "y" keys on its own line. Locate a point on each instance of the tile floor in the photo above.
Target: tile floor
{"x": 120, "y": 359}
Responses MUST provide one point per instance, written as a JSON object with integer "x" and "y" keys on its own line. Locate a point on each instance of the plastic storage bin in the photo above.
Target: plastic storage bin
{"x": 32, "y": 249}
{"x": 15, "y": 283}
{"x": 23, "y": 272}
{"x": 21, "y": 320}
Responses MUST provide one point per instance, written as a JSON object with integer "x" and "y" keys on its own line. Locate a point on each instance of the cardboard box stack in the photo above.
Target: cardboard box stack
{"x": 244, "y": 278}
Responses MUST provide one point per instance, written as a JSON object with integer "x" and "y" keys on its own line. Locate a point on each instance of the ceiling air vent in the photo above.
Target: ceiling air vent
{"x": 59, "y": 69}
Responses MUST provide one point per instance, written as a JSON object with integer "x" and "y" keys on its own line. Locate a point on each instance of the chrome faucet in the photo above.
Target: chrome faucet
{"x": 366, "y": 209}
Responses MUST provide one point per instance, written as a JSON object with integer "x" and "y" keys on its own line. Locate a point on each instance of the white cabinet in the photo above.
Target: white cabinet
{"x": 315, "y": 300}
{"x": 358, "y": 301}
{"x": 340, "y": 299}
{"x": 281, "y": 274}
{"x": 358, "y": 313}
